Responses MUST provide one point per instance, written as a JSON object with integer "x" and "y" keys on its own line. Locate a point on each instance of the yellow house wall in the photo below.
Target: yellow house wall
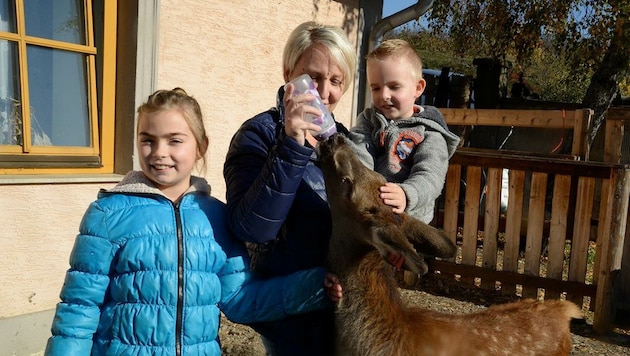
{"x": 225, "y": 53}
{"x": 236, "y": 70}
{"x": 39, "y": 224}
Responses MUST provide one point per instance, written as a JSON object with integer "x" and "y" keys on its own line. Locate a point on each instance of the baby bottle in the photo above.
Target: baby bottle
{"x": 304, "y": 84}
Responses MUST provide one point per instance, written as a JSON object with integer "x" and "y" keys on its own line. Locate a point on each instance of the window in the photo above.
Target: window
{"x": 54, "y": 86}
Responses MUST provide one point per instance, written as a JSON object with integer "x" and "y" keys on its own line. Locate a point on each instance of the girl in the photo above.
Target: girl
{"x": 154, "y": 260}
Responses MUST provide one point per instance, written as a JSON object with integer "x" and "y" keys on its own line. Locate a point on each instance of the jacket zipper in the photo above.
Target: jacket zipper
{"x": 180, "y": 282}
{"x": 180, "y": 275}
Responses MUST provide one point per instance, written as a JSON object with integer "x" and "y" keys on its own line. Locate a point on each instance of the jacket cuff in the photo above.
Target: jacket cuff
{"x": 291, "y": 151}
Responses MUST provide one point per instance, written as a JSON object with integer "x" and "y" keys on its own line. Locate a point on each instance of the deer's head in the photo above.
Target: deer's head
{"x": 361, "y": 221}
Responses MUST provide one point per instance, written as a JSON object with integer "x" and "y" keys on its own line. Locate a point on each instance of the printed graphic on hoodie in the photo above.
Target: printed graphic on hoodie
{"x": 403, "y": 150}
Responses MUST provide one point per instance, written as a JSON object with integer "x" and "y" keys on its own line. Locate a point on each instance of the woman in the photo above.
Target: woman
{"x": 275, "y": 193}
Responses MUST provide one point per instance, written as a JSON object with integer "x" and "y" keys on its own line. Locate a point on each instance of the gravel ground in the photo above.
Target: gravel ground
{"x": 433, "y": 294}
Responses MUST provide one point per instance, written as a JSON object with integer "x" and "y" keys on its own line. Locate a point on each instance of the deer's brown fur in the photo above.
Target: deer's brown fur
{"x": 372, "y": 319}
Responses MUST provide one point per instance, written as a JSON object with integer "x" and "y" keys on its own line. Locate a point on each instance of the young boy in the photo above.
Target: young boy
{"x": 407, "y": 143}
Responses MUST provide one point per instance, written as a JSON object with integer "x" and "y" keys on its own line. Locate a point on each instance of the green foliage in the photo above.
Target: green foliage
{"x": 548, "y": 73}
{"x": 558, "y": 44}
{"x": 553, "y": 79}
{"x": 624, "y": 86}
{"x": 437, "y": 51}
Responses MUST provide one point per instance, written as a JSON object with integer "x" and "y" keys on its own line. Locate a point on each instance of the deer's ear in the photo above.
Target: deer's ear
{"x": 343, "y": 163}
{"x": 392, "y": 245}
{"x": 343, "y": 166}
{"x": 427, "y": 239}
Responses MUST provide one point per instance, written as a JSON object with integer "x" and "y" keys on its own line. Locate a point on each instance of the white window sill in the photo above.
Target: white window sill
{"x": 59, "y": 179}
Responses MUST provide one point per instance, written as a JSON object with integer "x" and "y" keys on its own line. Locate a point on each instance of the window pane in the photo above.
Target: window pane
{"x": 10, "y": 115}
{"x": 62, "y": 21}
{"x": 7, "y": 16}
{"x": 59, "y": 101}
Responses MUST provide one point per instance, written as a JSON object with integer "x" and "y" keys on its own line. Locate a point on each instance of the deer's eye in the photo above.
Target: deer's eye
{"x": 346, "y": 187}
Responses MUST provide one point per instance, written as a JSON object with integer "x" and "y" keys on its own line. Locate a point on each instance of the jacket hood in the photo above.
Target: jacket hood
{"x": 137, "y": 182}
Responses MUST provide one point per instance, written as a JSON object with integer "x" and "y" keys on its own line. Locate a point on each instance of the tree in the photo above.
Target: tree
{"x": 594, "y": 36}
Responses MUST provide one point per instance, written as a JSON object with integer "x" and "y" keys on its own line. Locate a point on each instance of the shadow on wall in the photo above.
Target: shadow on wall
{"x": 26, "y": 335}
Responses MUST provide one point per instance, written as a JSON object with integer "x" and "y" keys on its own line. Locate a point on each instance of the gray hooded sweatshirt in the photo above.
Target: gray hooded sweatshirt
{"x": 412, "y": 152}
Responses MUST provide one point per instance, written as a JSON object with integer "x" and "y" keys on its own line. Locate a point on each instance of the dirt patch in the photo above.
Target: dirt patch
{"x": 439, "y": 295}
{"x": 237, "y": 339}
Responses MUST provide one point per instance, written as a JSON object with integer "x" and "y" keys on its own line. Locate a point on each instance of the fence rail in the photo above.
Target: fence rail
{"x": 575, "y": 120}
{"x": 562, "y": 229}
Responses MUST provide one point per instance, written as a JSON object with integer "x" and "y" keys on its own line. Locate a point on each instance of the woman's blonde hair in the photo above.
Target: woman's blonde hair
{"x": 177, "y": 98}
{"x": 332, "y": 37}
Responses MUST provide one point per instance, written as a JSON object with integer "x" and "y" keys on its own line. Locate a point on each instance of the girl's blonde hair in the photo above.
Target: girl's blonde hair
{"x": 177, "y": 98}
{"x": 397, "y": 48}
{"x": 332, "y": 37}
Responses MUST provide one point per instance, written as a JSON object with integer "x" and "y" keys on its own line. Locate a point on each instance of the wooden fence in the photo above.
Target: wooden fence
{"x": 563, "y": 225}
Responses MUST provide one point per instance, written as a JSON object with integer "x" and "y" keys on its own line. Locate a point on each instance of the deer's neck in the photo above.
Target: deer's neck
{"x": 371, "y": 304}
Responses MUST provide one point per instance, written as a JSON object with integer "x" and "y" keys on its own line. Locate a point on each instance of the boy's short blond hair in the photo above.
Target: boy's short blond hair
{"x": 398, "y": 48}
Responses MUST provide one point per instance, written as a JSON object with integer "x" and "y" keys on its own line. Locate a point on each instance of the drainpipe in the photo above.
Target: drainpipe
{"x": 376, "y": 35}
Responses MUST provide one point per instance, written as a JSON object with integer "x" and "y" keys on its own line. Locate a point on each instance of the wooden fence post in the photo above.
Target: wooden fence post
{"x": 615, "y": 130}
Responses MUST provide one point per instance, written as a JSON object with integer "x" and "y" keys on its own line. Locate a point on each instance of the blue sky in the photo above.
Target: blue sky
{"x": 393, "y": 6}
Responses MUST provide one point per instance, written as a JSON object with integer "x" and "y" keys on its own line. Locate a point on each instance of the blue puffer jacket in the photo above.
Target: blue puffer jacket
{"x": 147, "y": 277}
{"x": 277, "y": 203}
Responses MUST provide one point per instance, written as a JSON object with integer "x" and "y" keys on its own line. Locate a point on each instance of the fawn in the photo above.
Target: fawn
{"x": 368, "y": 238}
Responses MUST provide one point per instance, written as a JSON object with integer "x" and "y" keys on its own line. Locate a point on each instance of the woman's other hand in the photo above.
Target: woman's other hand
{"x": 333, "y": 287}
